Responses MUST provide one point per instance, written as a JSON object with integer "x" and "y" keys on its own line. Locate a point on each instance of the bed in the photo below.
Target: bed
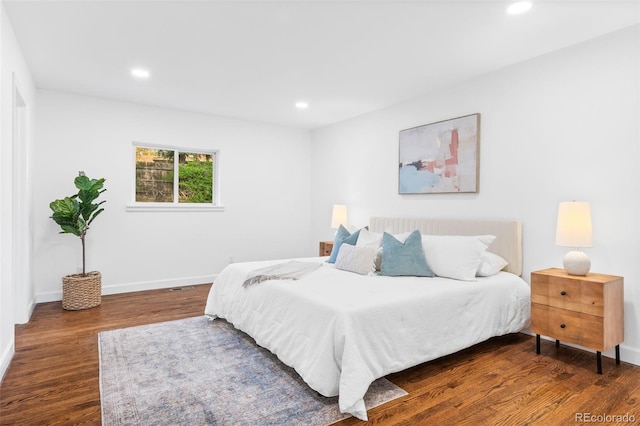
{"x": 341, "y": 330}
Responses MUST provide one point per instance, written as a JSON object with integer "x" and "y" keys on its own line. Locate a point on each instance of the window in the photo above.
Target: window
{"x": 175, "y": 178}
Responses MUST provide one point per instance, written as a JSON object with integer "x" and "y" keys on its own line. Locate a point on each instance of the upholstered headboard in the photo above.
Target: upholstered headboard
{"x": 508, "y": 242}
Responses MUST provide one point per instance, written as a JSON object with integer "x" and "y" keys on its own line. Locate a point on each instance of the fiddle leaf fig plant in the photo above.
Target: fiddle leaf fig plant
{"x": 75, "y": 213}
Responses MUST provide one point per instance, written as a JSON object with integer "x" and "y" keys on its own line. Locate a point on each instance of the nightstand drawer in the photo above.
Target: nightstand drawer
{"x": 325, "y": 248}
{"x": 568, "y": 326}
{"x": 568, "y": 293}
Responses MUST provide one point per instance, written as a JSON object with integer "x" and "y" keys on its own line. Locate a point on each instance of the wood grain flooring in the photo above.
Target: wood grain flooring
{"x": 53, "y": 378}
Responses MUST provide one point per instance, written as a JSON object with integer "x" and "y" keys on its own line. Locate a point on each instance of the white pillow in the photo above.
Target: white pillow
{"x": 356, "y": 259}
{"x": 367, "y": 238}
{"x": 490, "y": 264}
{"x": 455, "y": 256}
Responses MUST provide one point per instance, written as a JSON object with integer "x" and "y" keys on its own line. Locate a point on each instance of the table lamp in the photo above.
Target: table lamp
{"x": 339, "y": 216}
{"x": 574, "y": 230}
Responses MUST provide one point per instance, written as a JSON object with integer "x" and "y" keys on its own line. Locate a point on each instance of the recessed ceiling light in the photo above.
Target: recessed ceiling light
{"x": 519, "y": 7}
{"x": 140, "y": 73}
{"x": 302, "y": 105}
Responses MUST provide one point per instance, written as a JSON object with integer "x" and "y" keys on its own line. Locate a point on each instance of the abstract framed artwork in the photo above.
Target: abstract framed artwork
{"x": 440, "y": 157}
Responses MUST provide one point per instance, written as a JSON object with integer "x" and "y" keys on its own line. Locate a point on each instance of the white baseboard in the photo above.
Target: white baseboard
{"x": 6, "y": 357}
{"x": 29, "y": 311}
{"x": 629, "y": 354}
{"x": 131, "y": 287}
{"x": 153, "y": 285}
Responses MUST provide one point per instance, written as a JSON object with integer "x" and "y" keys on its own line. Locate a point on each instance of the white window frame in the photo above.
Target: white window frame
{"x": 215, "y": 206}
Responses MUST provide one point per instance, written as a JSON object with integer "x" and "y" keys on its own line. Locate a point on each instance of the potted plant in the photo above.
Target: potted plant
{"x": 74, "y": 214}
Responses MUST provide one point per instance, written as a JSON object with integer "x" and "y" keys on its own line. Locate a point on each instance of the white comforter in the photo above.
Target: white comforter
{"x": 340, "y": 331}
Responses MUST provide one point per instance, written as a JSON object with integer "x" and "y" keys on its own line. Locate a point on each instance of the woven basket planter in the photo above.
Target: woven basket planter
{"x": 81, "y": 292}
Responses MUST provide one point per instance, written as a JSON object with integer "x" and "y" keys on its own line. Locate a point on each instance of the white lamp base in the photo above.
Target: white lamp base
{"x": 576, "y": 263}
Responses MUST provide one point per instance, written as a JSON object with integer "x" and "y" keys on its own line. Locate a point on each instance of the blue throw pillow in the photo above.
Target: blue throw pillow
{"x": 404, "y": 259}
{"x": 342, "y": 237}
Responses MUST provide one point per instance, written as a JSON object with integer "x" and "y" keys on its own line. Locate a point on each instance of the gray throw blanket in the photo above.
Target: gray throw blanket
{"x": 291, "y": 270}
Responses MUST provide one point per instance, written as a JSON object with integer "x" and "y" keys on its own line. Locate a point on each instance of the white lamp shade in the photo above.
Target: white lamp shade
{"x": 574, "y": 224}
{"x": 339, "y": 216}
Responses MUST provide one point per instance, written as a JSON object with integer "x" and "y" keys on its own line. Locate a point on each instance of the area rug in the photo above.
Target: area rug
{"x": 201, "y": 372}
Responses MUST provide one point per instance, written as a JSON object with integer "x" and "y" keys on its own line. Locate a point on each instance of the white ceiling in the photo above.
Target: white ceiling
{"x": 254, "y": 59}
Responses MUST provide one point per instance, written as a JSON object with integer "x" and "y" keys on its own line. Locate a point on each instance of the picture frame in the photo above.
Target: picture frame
{"x": 441, "y": 157}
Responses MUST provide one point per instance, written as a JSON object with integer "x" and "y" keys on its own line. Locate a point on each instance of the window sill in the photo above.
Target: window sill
{"x": 162, "y": 207}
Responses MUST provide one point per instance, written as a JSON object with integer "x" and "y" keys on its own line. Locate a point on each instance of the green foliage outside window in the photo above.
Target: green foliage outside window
{"x": 195, "y": 182}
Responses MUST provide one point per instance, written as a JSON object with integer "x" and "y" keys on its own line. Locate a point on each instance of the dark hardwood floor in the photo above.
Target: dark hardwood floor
{"x": 53, "y": 378}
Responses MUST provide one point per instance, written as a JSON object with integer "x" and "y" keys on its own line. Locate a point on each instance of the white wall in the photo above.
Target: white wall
{"x": 16, "y": 289}
{"x": 560, "y": 127}
{"x": 264, "y": 181}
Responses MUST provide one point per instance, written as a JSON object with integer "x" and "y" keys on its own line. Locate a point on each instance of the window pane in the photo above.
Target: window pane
{"x": 154, "y": 175}
{"x": 195, "y": 177}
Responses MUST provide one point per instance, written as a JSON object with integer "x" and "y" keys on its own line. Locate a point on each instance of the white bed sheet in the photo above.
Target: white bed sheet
{"x": 340, "y": 331}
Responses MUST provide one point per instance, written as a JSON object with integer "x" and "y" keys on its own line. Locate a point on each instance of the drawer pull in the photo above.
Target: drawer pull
{"x": 562, "y": 325}
{"x": 563, "y": 293}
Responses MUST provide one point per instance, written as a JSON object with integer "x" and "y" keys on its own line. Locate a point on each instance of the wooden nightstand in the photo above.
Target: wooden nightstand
{"x": 583, "y": 310}
{"x": 325, "y": 248}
